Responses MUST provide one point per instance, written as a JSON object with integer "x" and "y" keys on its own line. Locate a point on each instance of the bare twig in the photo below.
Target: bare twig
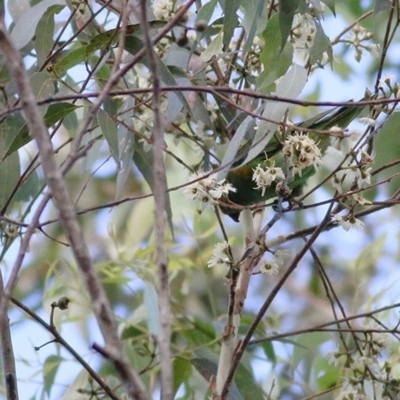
{"x": 325, "y": 327}
{"x": 59, "y": 339}
{"x": 217, "y": 91}
{"x": 53, "y": 173}
{"x": 7, "y": 352}
{"x": 243, "y": 344}
{"x": 160, "y": 196}
{"x": 229, "y": 343}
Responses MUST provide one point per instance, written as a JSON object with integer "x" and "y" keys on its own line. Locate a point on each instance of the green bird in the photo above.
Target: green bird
{"x": 283, "y": 155}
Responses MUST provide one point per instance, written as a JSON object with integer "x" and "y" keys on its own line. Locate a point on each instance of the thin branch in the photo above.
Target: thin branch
{"x": 249, "y": 260}
{"x": 59, "y": 191}
{"x": 325, "y": 326}
{"x": 243, "y": 344}
{"x": 216, "y": 91}
{"x": 59, "y": 339}
{"x": 7, "y": 352}
{"x": 160, "y": 200}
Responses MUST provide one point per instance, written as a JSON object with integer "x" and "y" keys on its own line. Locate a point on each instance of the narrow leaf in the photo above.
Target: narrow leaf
{"x": 50, "y": 369}
{"x": 25, "y": 27}
{"x": 276, "y": 61}
{"x": 331, "y": 5}
{"x": 287, "y": 10}
{"x": 54, "y": 113}
{"x": 213, "y": 49}
{"x": 289, "y": 86}
{"x": 9, "y": 177}
{"x": 151, "y": 306}
{"x": 144, "y": 162}
{"x": 230, "y": 20}
{"x": 44, "y": 33}
{"x": 133, "y": 45}
{"x": 206, "y": 11}
{"x": 208, "y": 369}
{"x": 321, "y": 45}
{"x": 182, "y": 368}
{"x": 234, "y": 145}
{"x": 110, "y": 132}
{"x": 43, "y": 86}
{"x": 126, "y": 149}
{"x": 254, "y": 20}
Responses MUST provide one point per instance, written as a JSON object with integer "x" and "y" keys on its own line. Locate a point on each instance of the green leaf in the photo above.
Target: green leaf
{"x": 213, "y": 49}
{"x": 25, "y": 27}
{"x": 9, "y": 129}
{"x": 70, "y": 59}
{"x": 208, "y": 369}
{"x": 289, "y": 86}
{"x": 182, "y": 371}
{"x": 44, "y": 34}
{"x": 287, "y": 10}
{"x": 29, "y": 187}
{"x": 50, "y": 368}
{"x": 306, "y": 347}
{"x": 370, "y": 256}
{"x": 151, "y": 306}
{"x": 144, "y": 162}
{"x": 387, "y": 150}
{"x": 201, "y": 334}
{"x": 109, "y": 128}
{"x": 321, "y": 45}
{"x": 269, "y": 351}
{"x": 9, "y": 178}
{"x": 133, "y": 45}
{"x": 180, "y": 58}
{"x": 247, "y": 385}
{"x": 331, "y": 5}
{"x": 206, "y": 11}
{"x": 230, "y": 20}
{"x": 43, "y": 86}
{"x": 234, "y": 146}
{"x": 275, "y": 60}
{"x": 76, "y": 56}
{"x": 126, "y": 150}
{"x": 254, "y": 20}
{"x": 325, "y": 374}
{"x": 132, "y": 332}
{"x": 54, "y": 113}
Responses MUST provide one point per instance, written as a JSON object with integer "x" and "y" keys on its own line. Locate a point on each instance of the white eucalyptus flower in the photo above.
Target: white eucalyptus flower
{"x": 263, "y": 177}
{"x": 220, "y": 256}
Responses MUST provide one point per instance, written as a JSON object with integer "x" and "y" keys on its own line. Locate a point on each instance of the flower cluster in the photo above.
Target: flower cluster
{"x": 162, "y": 9}
{"x": 263, "y": 177}
{"x": 206, "y": 189}
{"x": 359, "y": 174}
{"x": 303, "y": 35}
{"x": 360, "y": 38}
{"x": 220, "y": 256}
{"x": 301, "y": 151}
{"x": 254, "y": 64}
{"x": 365, "y": 372}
